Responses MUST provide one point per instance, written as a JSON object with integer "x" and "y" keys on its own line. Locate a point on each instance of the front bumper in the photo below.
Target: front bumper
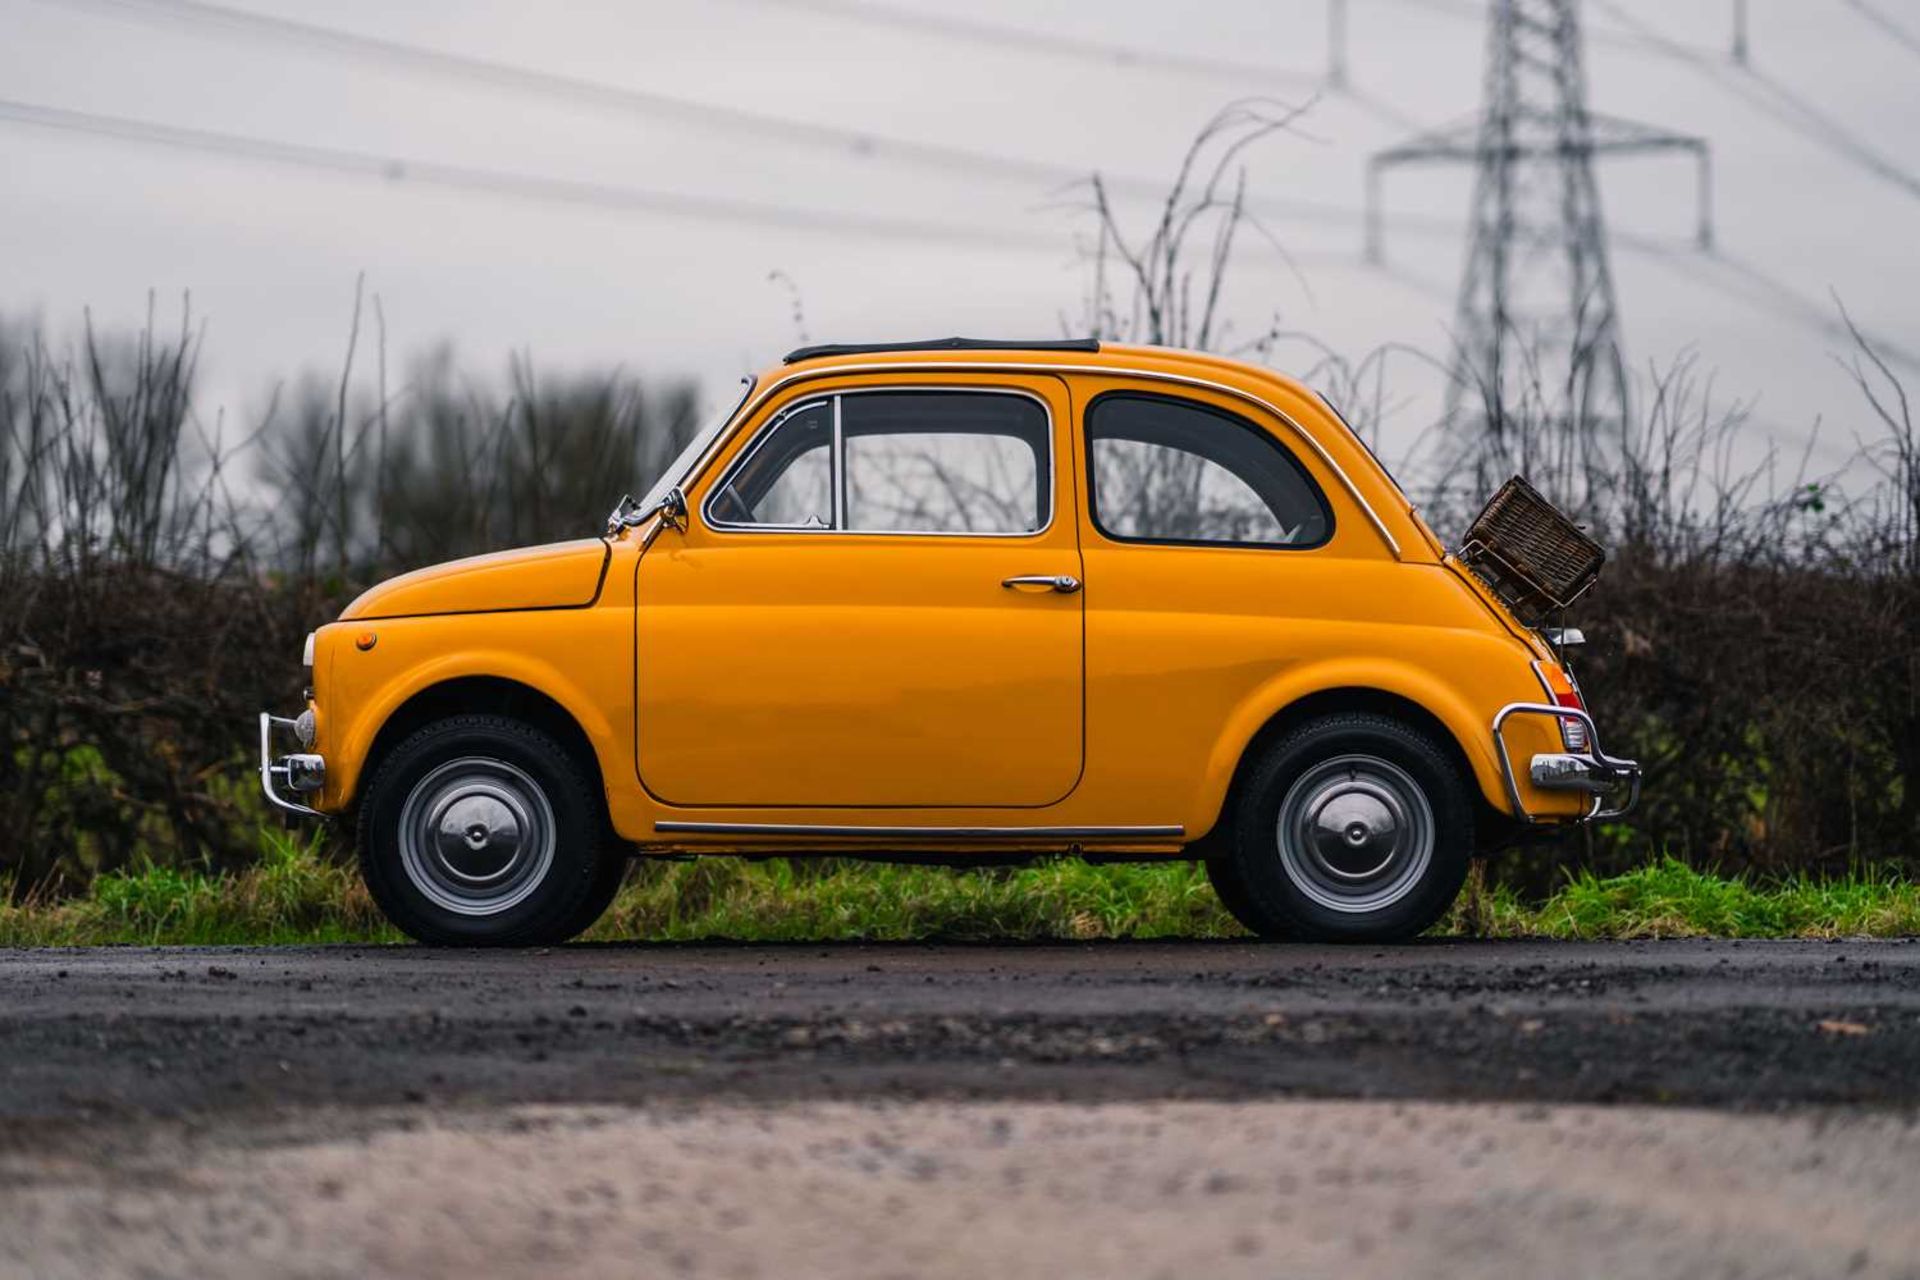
{"x": 1595, "y": 774}
{"x": 302, "y": 772}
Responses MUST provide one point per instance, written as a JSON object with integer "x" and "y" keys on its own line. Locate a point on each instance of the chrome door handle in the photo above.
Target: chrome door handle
{"x": 1066, "y": 584}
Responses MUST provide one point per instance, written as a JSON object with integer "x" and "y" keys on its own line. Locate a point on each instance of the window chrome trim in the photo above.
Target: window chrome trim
{"x": 837, "y": 465}
{"x": 1239, "y": 423}
{"x": 927, "y": 833}
{"x": 1056, "y": 369}
{"x": 837, "y": 471}
{"x": 745, "y": 460}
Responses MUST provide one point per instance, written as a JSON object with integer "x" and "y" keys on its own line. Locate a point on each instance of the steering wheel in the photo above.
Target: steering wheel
{"x": 736, "y": 511}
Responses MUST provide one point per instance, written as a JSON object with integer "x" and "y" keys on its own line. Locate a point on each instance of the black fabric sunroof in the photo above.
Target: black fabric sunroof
{"x": 940, "y": 344}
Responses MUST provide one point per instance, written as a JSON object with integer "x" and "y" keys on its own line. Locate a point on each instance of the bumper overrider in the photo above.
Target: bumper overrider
{"x": 301, "y": 773}
{"x": 1611, "y": 782}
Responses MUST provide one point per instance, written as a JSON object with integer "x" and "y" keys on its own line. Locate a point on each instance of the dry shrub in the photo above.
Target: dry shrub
{"x": 156, "y": 578}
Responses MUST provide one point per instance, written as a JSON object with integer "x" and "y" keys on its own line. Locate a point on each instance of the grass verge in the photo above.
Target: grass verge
{"x": 295, "y": 894}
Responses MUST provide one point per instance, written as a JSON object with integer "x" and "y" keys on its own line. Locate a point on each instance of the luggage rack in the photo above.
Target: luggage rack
{"x": 1531, "y": 555}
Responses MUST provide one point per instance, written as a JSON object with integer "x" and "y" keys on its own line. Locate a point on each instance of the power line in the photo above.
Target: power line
{"x": 1774, "y": 294}
{"x": 576, "y": 90}
{"x": 1887, "y": 25}
{"x": 1026, "y": 40}
{"x": 1476, "y": 11}
{"x": 536, "y": 187}
{"x": 619, "y": 98}
{"x": 393, "y": 168}
{"x": 1786, "y": 107}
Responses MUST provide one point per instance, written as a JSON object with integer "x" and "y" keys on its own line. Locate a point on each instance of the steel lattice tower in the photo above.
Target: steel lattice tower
{"x": 1537, "y": 325}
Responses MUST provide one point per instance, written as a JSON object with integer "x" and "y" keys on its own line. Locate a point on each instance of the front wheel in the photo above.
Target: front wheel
{"x": 481, "y": 830}
{"x": 1351, "y": 828}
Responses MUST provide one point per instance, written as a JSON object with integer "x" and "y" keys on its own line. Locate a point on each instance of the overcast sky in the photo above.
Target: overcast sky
{"x": 1815, "y": 154}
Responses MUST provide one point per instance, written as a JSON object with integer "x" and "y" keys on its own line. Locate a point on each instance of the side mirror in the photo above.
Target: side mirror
{"x": 673, "y": 509}
{"x": 627, "y": 513}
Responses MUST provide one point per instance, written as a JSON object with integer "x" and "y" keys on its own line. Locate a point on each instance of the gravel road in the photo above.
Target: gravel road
{"x": 1109, "y": 1109}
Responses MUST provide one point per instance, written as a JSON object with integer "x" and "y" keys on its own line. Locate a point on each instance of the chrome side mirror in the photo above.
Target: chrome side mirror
{"x": 627, "y": 513}
{"x": 673, "y": 509}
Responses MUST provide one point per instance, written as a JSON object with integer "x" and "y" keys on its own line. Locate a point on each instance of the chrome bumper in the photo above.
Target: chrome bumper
{"x": 302, "y": 771}
{"x": 1596, "y": 773}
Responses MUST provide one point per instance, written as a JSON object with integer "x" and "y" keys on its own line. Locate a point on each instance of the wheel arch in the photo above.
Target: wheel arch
{"x": 1356, "y": 697}
{"x": 485, "y": 695}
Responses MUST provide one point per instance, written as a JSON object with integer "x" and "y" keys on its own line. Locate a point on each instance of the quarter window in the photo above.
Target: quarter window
{"x": 1167, "y": 470}
{"x": 787, "y": 479}
{"x": 898, "y": 462}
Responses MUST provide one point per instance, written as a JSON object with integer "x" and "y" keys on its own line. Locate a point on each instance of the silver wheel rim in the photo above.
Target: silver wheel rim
{"x": 1355, "y": 833}
{"x": 476, "y": 836}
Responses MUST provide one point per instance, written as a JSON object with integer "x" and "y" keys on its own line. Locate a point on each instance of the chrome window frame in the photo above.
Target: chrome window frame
{"x": 745, "y": 459}
{"x": 838, "y": 468}
{"x": 1238, "y": 421}
{"x": 1059, "y": 369}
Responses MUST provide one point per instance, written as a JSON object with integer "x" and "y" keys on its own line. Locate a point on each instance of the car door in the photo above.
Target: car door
{"x": 875, "y": 604}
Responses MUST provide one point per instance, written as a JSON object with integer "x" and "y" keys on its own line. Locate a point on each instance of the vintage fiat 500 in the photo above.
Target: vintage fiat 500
{"x": 963, "y": 598}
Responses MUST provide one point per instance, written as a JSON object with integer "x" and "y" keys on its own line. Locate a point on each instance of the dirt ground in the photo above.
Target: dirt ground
{"x": 1111, "y": 1110}
{"x": 1044, "y": 1190}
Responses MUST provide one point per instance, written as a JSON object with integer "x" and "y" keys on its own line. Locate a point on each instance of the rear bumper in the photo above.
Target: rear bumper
{"x": 301, "y": 773}
{"x": 1612, "y": 782}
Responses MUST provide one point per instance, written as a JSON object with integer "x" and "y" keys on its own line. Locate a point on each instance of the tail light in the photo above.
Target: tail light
{"x": 1562, "y": 691}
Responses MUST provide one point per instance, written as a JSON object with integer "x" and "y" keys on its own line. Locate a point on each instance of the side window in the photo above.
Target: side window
{"x": 897, "y": 462}
{"x": 787, "y": 481}
{"x": 1168, "y": 470}
{"x": 945, "y": 462}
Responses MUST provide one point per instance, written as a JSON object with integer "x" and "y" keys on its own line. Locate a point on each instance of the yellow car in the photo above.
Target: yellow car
{"x": 962, "y": 599}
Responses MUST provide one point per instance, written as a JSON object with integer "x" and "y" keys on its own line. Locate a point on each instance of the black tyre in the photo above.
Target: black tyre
{"x": 1223, "y": 873}
{"x": 480, "y": 830}
{"x": 1351, "y": 828}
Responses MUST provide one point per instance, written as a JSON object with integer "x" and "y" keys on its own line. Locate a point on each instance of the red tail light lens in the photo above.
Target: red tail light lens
{"x": 1563, "y": 692}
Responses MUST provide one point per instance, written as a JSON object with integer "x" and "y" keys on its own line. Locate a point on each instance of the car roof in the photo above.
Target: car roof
{"x": 1089, "y": 353}
{"x": 938, "y": 344}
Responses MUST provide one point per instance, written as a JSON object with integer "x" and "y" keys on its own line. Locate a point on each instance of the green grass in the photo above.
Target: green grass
{"x": 295, "y": 894}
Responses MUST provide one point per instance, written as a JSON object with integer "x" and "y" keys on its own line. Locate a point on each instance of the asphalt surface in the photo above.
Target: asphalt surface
{"x": 111, "y": 1032}
{"x": 1119, "y": 1110}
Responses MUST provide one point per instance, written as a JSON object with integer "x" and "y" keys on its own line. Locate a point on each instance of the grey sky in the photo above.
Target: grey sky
{"x": 270, "y": 253}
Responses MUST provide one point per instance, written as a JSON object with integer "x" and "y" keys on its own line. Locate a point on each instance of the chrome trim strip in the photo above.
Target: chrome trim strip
{"x": 837, "y": 470}
{"x": 923, "y": 833}
{"x": 762, "y": 395}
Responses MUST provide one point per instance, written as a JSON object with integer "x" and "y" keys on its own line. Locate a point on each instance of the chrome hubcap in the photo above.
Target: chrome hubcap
{"x": 476, "y": 836}
{"x": 1355, "y": 833}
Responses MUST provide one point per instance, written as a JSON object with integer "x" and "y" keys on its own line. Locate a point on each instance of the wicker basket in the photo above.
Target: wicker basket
{"x": 1533, "y": 557}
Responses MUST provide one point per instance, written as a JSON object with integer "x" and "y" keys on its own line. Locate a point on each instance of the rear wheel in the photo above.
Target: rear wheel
{"x": 1351, "y": 828}
{"x": 483, "y": 830}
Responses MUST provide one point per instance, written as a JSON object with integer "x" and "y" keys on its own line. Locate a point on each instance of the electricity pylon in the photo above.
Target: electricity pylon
{"x": 1537, "y": 325}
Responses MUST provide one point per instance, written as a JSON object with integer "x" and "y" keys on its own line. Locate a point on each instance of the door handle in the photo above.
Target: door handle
{"x": 1066, "y": 584}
